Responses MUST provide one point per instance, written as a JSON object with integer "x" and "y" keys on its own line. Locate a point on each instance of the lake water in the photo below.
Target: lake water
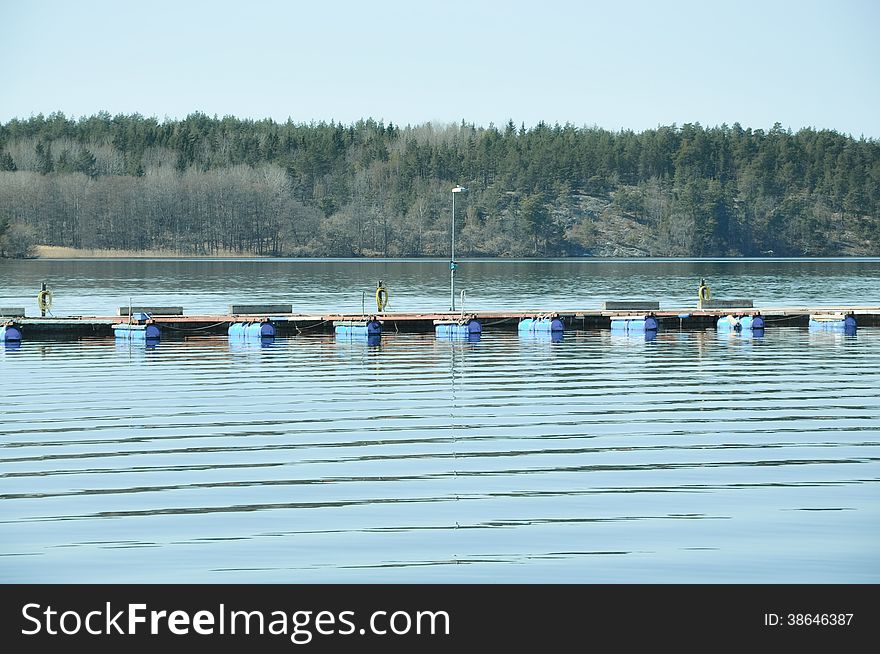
{"x": 693, "y": 457}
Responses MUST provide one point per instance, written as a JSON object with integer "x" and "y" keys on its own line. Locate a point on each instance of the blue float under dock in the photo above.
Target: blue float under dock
{"x": 357, "y": 328}
{"x": 137, "y": 332}
{"x": 733, "y": 323}
{"x": 833, "y": 322}
{"x": 251, "y": 330}
{"x": 536, "y": 325}
{"x": 457, "y": 328}
{"x": 634, "y": 324}
{"x": 10, "y": 333}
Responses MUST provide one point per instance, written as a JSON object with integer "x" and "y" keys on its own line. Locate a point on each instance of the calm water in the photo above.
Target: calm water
{"x": 600, "y": 458}
{"x": 99, "y": 287}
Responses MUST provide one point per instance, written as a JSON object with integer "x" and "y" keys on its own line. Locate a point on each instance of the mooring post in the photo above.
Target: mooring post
{"x": 42, "y": 304}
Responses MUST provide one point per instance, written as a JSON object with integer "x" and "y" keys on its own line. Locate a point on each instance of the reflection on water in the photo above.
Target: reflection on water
{"x": 687, "y": 456}
{"x": 467, "y": 337}
{"x": 250, "y": 344}
{"x": 547, "y": 337}
{"x": 625, "y": 337}
{"x": 359, "y": 340}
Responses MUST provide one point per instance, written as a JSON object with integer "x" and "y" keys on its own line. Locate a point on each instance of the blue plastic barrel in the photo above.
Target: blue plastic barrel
{"x": 740, "y": 323}
{"x": 541, "y": 325}
{"x": 251, "y": 330}
{"x": 261, "y": 330}
{"x": 456, "y": 329}
{"x": 137, "y": 332}
{"x": 825, "y": 324}
{"x": 844, "y": 323}
{"x": 633, "y": 324}
{"x": 728, "y": 324}
{"x": 358, "y": 328}
{"x": 266, "y": 330}
{"x": 10, "y": 333}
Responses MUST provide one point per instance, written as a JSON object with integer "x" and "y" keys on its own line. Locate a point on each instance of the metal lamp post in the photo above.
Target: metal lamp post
{"x": 452, "y": 265}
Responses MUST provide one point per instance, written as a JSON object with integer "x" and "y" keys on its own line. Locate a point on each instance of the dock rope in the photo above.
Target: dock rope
{"x": 382, "y": 297}
{"x": 44, "y": 300}
{"x": 499, "y": 322}
{"x": 705, "y": 293}
{"x": 783, "y": 319}
{"x": 300, "y": 330}
{"x": 194, "y": 329}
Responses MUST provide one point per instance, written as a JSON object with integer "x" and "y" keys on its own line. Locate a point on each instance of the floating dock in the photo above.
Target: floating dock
{"x": 291, "y": 324}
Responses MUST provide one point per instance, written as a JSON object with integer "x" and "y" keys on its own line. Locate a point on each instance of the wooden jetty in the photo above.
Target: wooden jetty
{"x": 288, "y": 324}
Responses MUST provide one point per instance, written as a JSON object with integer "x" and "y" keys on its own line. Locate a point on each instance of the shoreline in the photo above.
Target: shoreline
{"x": 60, "y": 252}
{"x": 54, "y": 252}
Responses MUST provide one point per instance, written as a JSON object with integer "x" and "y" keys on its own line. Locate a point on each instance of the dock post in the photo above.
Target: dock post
{"x": 41, "y": 302}
{"x": 452, "y": 265}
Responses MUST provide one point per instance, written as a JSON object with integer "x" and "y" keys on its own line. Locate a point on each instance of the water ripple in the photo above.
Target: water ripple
{"x": 324, "y": 460}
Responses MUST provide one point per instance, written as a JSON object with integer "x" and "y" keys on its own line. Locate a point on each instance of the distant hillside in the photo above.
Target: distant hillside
{"x": 204, "y": 185}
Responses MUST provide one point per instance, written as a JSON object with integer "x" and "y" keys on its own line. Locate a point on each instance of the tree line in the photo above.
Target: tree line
{"x": 208, "y": 186}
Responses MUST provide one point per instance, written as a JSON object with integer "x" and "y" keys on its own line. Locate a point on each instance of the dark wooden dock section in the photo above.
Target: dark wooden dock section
{"x": 415, "y": 322}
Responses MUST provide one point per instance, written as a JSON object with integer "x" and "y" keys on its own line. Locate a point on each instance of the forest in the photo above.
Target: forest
{"x": 209, "y": 186}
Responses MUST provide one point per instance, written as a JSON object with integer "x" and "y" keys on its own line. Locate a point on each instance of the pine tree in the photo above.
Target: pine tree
{"x": 86, "y": 163}
{"x": 45, "y": 164}
{"x": 6, "y": 162}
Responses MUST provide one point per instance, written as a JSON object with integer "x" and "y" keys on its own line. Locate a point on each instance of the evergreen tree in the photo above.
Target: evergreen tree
{"x": 45, "y": 164}
{"x": 549, "y": 190}
{"x": 6, "y": 162}
{"x": 86, "y": 163}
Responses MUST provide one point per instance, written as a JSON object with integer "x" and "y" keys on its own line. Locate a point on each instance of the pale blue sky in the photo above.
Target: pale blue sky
{"x": 615, "y": 64}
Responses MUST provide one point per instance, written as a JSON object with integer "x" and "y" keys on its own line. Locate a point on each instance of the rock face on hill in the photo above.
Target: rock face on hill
{"x": 599, "y": 226}
{"x": 611, "y": 233}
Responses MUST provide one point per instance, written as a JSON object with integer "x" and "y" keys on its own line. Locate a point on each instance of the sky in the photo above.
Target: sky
{"x": 618, "y": 64}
